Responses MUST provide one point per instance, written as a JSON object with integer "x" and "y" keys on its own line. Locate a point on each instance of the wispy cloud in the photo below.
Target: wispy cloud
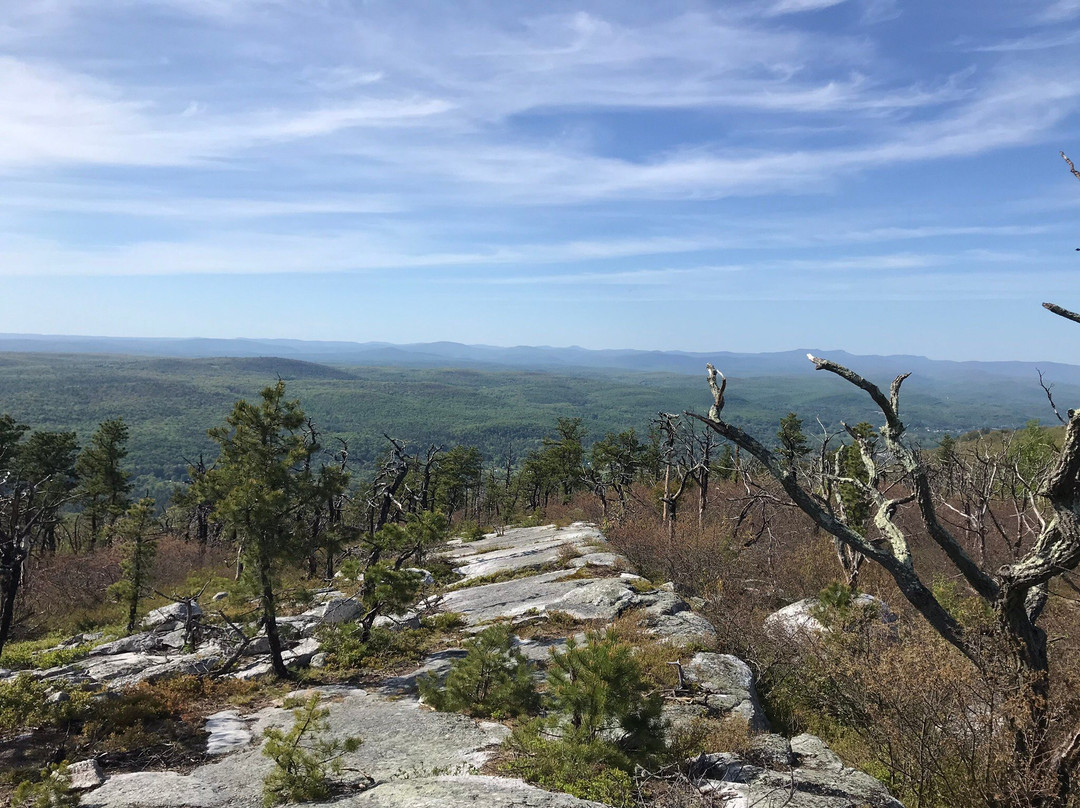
{"x": 772, "y": 149}
{"x": 1060, "y": 10}
{"x": 800, "y": 6}
{"x": 49, "y": 115}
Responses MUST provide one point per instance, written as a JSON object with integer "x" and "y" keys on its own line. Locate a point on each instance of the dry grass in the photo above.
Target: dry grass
{"x": 67, "y": 592}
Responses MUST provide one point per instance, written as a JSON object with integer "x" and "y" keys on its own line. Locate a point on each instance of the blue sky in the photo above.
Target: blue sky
{"x": 875, "y": 175}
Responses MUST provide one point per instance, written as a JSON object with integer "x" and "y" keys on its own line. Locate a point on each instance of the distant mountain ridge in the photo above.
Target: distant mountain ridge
{"x": 566, "y": 360}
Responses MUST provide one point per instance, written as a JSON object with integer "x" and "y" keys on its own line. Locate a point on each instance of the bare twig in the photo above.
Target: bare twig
{"x": 1049, "y": 396}
{"x": 1072, "y": 168}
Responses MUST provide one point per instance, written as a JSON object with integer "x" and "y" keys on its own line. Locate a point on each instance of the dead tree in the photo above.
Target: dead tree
{"x": 1016, "y": 592}
{"x": 200, "y": 510}
{"x": 390, "y": 477}
{"x": 21, "y": 511}
{"x": 681, "y": 467}
{"x": 993, "y": 493}
{"x": 430, "y": 465}
{"x": 701, "y": 474}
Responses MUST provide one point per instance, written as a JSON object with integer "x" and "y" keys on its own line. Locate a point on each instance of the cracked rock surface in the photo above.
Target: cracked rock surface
{"x": 419, "y": 758}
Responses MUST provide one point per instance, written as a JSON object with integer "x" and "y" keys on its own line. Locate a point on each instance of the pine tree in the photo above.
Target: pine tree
{"x": 792, "y": 440}
{"x": 304, "y": 757}
{"x": 134, "y": 531}
{"x": 262, "y": 484}
{"x": 103, "y": 483}
{"x": 493, "y": 679}
{"x": 599, "y": 689}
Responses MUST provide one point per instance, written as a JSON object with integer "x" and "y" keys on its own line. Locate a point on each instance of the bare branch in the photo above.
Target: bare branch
{"x": 1072, "y": 168}
{"x": 717, "y": 391}
{"x": 1049, "y": 396}
{"x": 884, "y": 404}
{"x": 1062, "y": 312}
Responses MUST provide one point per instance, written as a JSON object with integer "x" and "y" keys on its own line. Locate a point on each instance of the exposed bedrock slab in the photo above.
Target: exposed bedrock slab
{"x": 523, "y": 548}
{"x": 462, "y": 792}
{"x": 726, "y": 685}
{"x": 740, "y": 783}
{"x": 583, "y": 598}
{"x": 525, "y": 537}
{"x": 400, "y": 739}
{"x": 482, "y": 604}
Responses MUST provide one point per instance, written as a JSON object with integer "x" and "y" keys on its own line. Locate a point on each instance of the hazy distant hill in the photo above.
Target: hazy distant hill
{"x": 571, "y": 359}
{"x": 171, "y": 391}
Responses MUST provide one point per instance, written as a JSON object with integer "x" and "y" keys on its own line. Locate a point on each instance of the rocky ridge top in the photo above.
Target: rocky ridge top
{"x": 419, "y": 758}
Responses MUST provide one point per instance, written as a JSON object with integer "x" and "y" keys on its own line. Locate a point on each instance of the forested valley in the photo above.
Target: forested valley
{"x": 911, "y": 607}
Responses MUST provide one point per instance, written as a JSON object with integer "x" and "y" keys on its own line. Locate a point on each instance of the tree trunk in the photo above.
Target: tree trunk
{"x": 11, "y": 568}
{"x": 270, "y": 617}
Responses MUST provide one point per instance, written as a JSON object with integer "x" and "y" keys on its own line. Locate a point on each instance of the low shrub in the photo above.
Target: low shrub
{"x": 305, "y": 759}
{"x": 591, "y": 770}
{"x": 52, "y": 789}
{"x": 42, "y": 653}
{"x": 25, "y": 703}
{"x": 385, "y": 649}
{"x": 603, "y": 720}
{"x": 493, "y": 680}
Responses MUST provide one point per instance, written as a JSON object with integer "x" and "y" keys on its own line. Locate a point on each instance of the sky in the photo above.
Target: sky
{"x": 880, "y": 176}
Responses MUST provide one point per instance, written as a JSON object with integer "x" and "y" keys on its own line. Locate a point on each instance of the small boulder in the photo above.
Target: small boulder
{"x": 798, "y": 618}
{"x": 603, "y": 599}
{"x": 144, "y": 642}
{"x": 727, "y": 686}
{"x": 682, "y": 628}
{"x": 337, "y": 610}
{"x": 219, "y": 596}
{"x": 174, "y": 611}
{"x": 814, "y": 753}
{"x": 398, "y": 622}
{"x": 174, "y": 640}
{"x": 85, "y": 774}
{"x": 258, "y": 646}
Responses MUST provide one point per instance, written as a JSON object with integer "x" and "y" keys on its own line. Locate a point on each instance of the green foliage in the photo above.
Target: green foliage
{"x": 139, "y": 546}
{"x": 305, "y": 760}
{"x": 493, "y": 680}
{"x": 793, "y": 443}
{"x": 443, "y": 621}
{"x": 104, "y": 484}
{"x": 591, "y": 770}
{"x": 51, "y": 790}
{"x": 170, "y": 403}
{"x": 457, "y": 477}
{"x": 599, "y": 691}
{"x": 725, "y": 468}
{"x": 389, "y": 590}
{"x": 260, "y": 485}
{"x": 388, "y": 587}
{"x": 856, "y": 505}
{"x": 24, "y": 702}
{"x": 470, "y": 531}
{"x": 838, "y": 608}
{"x": 41, "y": 654}
{"x": 973, "y": 612}
{"x": 383, "y": 649}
